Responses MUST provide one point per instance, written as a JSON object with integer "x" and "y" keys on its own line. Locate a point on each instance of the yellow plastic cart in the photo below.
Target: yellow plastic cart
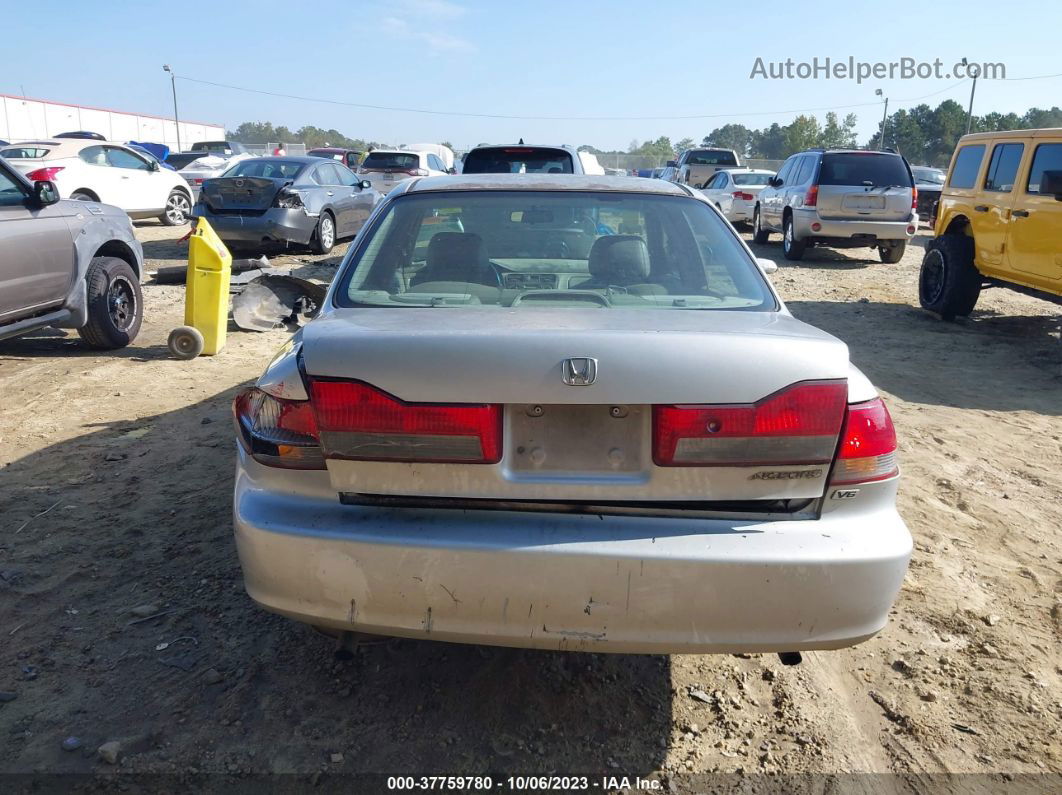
{"x": 206, "y": 305}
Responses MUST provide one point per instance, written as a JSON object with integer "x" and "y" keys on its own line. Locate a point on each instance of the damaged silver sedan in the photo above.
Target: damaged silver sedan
{"x": 567, "y": 413}
{"x": 263, "y": 201}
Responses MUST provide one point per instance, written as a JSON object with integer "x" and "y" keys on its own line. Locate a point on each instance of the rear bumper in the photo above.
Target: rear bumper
{"x": 551, "y": 581}
{"x": 276, "y": 225}
{"x": 863, "y": 232}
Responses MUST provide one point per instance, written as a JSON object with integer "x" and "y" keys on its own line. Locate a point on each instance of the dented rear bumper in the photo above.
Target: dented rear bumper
{"x": 577, "y": 582}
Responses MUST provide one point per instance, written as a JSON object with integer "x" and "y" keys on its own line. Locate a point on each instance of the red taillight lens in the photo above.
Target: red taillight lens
{"x": 740, "y": 194}
{"x": 811, "y": 198}
{"x": 359, "y": 422}
{"x": 44, "y": 174}
{"x": 914, "y": 198}
{"x": 417, "y": 172}
{"x": 276, "y": 432}
{"x": 868, "y": 445}
{"x": 798, "y": 425}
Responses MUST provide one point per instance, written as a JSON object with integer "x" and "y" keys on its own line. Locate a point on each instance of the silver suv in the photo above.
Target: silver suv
{"x": 844, "y": 198}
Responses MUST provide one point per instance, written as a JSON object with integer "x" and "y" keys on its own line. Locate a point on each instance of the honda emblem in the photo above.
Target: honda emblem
{"x": 579, "y": 371}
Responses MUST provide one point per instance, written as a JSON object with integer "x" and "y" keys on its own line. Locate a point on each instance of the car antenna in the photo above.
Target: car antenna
{"x": 521, "y": 142}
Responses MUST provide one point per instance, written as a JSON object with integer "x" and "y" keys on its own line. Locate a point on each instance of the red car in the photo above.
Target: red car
{"x": 348, "y": 157}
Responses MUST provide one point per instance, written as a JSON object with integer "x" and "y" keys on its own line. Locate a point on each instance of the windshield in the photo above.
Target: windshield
{"x": 269, "y": 167}
{"x": 711, "y": 157}
{"x": 391, "y": 160}
{"x": 928, "y": 176}
{"x": 863, "y": 168}
{"x": 518, "y": 160}
{"x": 751, "y": 179}
{"x": 519, "y": 249}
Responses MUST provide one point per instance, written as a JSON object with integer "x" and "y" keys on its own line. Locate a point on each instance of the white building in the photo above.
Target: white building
{"x": 22, "y": 118}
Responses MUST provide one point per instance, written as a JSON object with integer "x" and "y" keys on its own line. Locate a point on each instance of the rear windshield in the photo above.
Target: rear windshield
{"x": 390, "y": 160}
{"x": 928, "y": 176}
{"x": 518, "y": 160}
{"x": 269, "y": 167}
{"x": 751, "y": 179}
{"x": 711, "y": 157}
{"x": 580, "y": 250}
{"x": 23, "y": 152}
{"x": 863, "y": 168}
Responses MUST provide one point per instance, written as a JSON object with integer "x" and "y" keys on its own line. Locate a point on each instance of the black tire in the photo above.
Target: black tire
{"x": 323, "y": 242}
{"x": 178, "y": 207}
{"x": 792, "y": 248}
{"x": 82, "y": 196}
{"x": 115, "y": 304}
{"x": 185, "y": 342}
{"x": 893, "y": 252}
{"x": 949, "y": 283}
{"x": 759, "y": 234}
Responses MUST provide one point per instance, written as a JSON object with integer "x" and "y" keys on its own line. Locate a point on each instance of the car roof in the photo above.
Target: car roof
{"x": 545, "y": 182}
{"x": 740, "y": 170}
{"x": 1044, "y": 132}
{"x": 567, "y": 147}
{"x": 333, "y": 149}
{"x": 67, "y": 147}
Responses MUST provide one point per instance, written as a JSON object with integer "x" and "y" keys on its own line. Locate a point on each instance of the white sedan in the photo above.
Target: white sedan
{"x": 734, "y": 191}
{"x": 105, "y": 172}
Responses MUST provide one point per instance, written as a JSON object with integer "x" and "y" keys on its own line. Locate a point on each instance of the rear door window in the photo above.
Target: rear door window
{"x": 863, "y": 168}
{"x": 1003, "y": 168}
{"x": 1048, "y": 157}
{"x": 94, "y": 155}
{"x": 807, "y": 165}
{"x": 30, "y": 152}
{"x": 967, "y": 164}
{"x": 518, "y": 160}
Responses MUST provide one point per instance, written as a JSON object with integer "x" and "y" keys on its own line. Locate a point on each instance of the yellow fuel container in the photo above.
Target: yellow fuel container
{"x": 206, "y": 308}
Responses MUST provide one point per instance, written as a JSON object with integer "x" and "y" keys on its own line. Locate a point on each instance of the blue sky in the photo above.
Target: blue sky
{"x": 548, "y": 58}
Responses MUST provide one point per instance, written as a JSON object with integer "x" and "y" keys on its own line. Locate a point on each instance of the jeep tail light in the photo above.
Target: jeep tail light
{"x": 868, "y": 445}
{"x": 740, "y": 194}
{"x": 44, "y": 174}
{"x": 361, "y": 423}
{"x": 277, "y": 432}
{"x": 797, "y": 425}
{"x": 811, "y": 198}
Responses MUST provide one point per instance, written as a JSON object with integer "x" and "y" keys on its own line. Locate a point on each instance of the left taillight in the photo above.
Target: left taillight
{"x": 46, "y": 174}
{"x": 914, "y": 198}
{"x": 798, "y": 425}
{"x": 357, "y": 421}
{"x": 277, "y": 432}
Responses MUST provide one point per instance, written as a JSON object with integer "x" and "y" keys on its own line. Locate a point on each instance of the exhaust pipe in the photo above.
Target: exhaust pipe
{"x": 790, "y": 657}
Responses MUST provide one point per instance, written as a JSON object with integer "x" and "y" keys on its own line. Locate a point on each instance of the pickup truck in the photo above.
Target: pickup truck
{"x": 696, "y": 166}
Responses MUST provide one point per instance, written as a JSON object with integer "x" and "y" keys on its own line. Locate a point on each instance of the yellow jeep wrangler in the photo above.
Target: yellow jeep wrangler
{"x": 999, "y": 221}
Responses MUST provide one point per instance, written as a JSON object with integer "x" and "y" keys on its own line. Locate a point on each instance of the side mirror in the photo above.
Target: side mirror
{"x": 154, "y": 166}
{"x": 451, "y": 170}
{"x": 45, "y": 193}
{"x": 767, "y": 265}
{"x": 672, "y": 164}
{"x": 365, "y": 184}
{"x": 1051, "y": 184}
{"x": 774, "y": 182}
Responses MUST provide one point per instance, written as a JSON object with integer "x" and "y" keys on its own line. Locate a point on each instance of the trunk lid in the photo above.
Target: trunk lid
{"x": 242, "y": 193}
{"x": 572, "y": 443}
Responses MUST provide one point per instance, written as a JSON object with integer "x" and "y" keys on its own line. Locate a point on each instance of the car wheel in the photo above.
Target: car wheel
{"x": 892, "y": 252}
{"x": 949, "y": 282}
{"x": 81, "y": 196}
{"x": 791, "y": 247}
{"x": 324, "y": 237}
{"x": 759, "y": 234}
{"x": 178, "y": 206}
{"x": 115, "y": 305}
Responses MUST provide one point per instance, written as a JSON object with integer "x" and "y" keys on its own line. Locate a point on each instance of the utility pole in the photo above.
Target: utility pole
{"x": 973, "y": 88}
{"x": 884, "y": 118}
{"x": 176, "y": 120}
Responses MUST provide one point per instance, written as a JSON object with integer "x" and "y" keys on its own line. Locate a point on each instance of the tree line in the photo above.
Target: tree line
{"x": 924, "y": 135}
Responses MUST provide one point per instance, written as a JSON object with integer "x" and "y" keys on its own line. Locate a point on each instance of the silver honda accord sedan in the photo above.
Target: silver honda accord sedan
{"x": 567, "y": 412}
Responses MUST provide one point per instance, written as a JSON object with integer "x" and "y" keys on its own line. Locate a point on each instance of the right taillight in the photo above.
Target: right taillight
{"x": 288, "y": 199}
{"x": 417, "y": 172}
{"x": 798, "y": 425}
{"x": 44, "y": 174}
{"x": 360, "y": 422}
{"x": 868, "y": 445}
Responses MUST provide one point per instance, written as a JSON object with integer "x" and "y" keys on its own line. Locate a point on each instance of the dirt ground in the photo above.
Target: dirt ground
{"x": 115, "y": 493}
